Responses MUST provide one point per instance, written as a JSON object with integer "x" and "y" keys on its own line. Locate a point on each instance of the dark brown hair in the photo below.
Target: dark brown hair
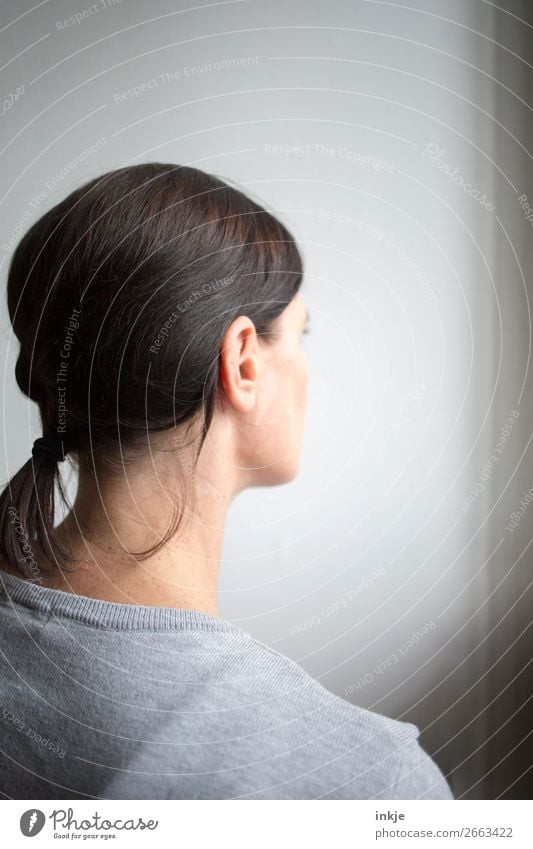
{"x": 120, "y": 296}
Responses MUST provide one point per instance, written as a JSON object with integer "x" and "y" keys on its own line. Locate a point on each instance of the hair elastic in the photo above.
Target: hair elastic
{"x": 53, "y": 447}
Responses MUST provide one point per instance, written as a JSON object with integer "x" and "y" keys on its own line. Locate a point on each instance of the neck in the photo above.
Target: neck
{"x": 113, "y": 519}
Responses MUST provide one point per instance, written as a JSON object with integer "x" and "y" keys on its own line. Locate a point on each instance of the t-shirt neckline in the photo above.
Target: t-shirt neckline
{"x": 108, "y": 614}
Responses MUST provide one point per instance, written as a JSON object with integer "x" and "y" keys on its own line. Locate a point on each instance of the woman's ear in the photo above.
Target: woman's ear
{"x": 240, "y": 364}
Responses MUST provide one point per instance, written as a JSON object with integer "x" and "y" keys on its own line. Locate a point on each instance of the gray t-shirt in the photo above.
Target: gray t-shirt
{"x": 118, "y": 701}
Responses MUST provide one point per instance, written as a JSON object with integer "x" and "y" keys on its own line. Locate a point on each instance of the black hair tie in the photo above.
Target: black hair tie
{"x": 53, "y": 447}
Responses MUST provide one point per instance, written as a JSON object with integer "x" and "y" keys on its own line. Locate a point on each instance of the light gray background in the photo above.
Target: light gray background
{"x": 420, "y": 346}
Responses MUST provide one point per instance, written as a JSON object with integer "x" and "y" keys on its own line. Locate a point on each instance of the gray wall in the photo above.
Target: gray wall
{"x": 394, "y": 142}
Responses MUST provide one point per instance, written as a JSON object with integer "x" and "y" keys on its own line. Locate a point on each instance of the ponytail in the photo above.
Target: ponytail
{"x": 27, "y": 514}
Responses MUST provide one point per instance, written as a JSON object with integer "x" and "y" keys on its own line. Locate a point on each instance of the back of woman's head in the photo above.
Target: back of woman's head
{"x": 120, "y": 296}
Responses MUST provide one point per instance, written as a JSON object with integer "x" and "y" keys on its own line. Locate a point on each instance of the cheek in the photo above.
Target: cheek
{"x": 302, "y": 380}
{"x": 305, "y": 379}
{"x": 284, "y": 399}
{"x": 297, "y": 391}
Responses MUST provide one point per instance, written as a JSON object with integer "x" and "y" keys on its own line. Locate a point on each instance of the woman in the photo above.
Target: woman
{"x": 160, "y": 317}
